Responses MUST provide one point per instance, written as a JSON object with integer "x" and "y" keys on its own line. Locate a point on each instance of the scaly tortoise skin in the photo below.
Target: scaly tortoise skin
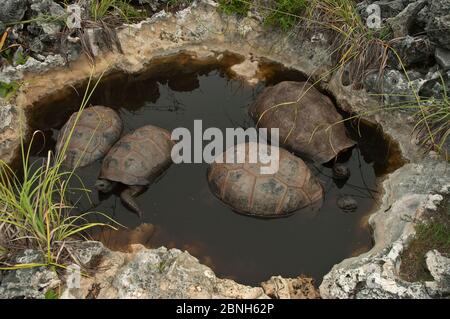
{"x": 247, "y": 191}
{"x": 136, "y": 160}
{"x": 97, "y": 129}
{"x": 310, "y": 127}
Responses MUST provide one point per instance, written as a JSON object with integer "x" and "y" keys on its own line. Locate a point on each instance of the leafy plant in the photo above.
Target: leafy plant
{"x": 35, "y": 211}
{"x": 51, "y": 294}
{"x": 8, "y": 89}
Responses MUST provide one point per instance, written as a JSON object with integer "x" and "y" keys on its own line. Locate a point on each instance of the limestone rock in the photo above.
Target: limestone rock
{"x": 402, "y": 22}
{"x": 375, "y": 273}
{"x": 9, "y": 131}
{"x": 437, "y": 85}
{"x": 439, "y": 22}
{"x": 153, "y": 273}
{"x": 12, "y": 10}
{"x": 28, "y": 283}
{"x": 439, "y": 267}
{"x": 443, "y": 58}
{"x": 290, "y": 288}
{"x": 412, "y": 50}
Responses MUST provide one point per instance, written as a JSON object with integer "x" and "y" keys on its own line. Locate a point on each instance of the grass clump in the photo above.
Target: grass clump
{"x": 238, "y": 7}
{"x": 431, "y": 234}
{"x": 113, "y": 9}
{"x": 35, "y": 211}
{"x": 286, "y": 13}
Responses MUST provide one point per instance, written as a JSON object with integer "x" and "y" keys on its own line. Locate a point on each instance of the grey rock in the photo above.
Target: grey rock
{"x": 28, "y": 283}
{"x": 12, "y": 11}
{"x": 155, "y": 273}
{"x": 88, "y": 254}
{"x": 401, "y": 23}
{"x": 411, "y": 50}
{"x": 442, "y": 57}
{"x": 9, "y": 131}
{"x": 388, "y": 8}
{"x": 438, "y": 26}
{"x": 393, "y": 86}
{"x": 51, "y": 26}
{"x": 375, "y": 273}
{"x": 437, "y": 85}
{"x": 2, "y": 27}
{"x": 439, "y": 267}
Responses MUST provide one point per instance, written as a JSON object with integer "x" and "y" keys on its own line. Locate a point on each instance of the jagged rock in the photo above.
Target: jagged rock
{"x": 153, "y": 273}
{"x": 439, "y": 267}
{"x": 401, "y": 23}
{"x": 411, "y": 50}
{"x": 12, "y": 10}
{"x": 388, "y": 8}
{"x": 52, "y": 10}
{"x": 290, "y": 288}
{"x": 442, "y": 57}
{"x": 28, "y": 283}
{"x": 393, "y": 86}
{"x": 439, "y": 22}
{"x": 9, "y": 132}
{"x": 437, "y": 85}
{"x": 375, "y": 273}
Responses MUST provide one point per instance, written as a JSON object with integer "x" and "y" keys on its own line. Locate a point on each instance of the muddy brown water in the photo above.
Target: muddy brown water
{"x": 180, "y": 210}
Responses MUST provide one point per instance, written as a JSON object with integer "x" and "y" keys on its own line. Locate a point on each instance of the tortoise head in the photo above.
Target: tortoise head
{"x": 104, "y": 185}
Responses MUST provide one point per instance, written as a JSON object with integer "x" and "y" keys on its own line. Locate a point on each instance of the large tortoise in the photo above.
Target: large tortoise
{"x": 96, "y": 130}
{"x": 136, "y": 160}
{"x": 247, "y": 191}
{"x": 307, "y": 119}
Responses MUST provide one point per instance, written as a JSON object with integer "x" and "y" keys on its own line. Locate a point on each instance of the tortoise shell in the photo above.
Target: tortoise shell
{"x": 96, "y": 130}
{"x": 138, "y": 158}
{"x": 308, "y": 121}
{"x": 246, "y": 190}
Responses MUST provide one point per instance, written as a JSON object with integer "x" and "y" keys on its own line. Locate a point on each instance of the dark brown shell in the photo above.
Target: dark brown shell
{"x": 97, "y": 129}
{"x": 310, "y": 127}
{"x": 247, "y": 191}
{"x": 139, "y": 157}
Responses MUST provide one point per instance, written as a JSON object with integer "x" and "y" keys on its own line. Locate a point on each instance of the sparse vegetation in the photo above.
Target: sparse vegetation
{"x": 8, "y": 89}
{"x": 433, "y": 233}
{"x": 113, "y": 9}
{"x": 35, "y": 211}
{"x": 234, "y": 7}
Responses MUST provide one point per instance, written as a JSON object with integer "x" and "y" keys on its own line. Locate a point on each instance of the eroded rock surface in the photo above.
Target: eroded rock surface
{"x": 408, "y": 197}
{"x": 152, "y": 273}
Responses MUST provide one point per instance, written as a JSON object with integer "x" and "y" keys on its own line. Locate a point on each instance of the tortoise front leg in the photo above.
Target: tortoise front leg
{"x": 127, "y": 196}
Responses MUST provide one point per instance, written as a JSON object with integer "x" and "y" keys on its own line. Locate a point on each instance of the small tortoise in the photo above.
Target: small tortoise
{"x": 136, "y": 160}
{"x": 307, "y": 119}
{"x": 95, "y": 132}
{"x": 247, "y": 191}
